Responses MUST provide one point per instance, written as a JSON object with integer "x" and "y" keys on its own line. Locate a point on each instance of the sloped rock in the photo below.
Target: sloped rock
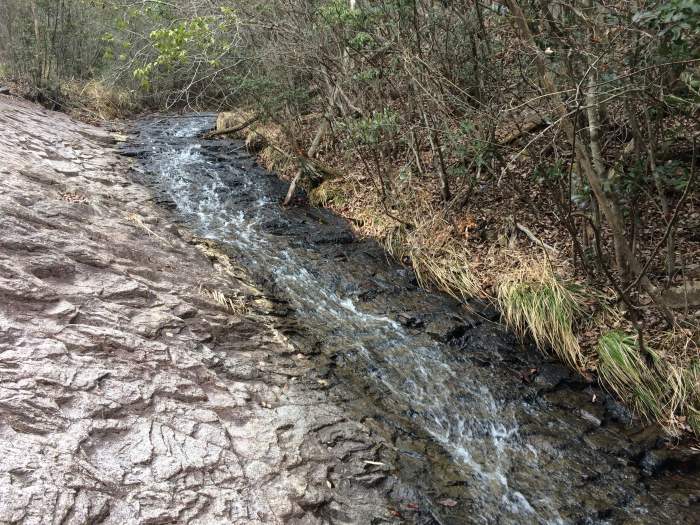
{"x": 112, "y": 407}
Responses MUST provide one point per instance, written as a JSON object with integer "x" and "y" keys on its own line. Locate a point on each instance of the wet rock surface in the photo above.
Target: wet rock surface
{"x": 142, "y": 378}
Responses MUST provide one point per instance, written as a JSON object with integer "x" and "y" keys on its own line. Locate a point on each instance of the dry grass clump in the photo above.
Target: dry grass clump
{"x": 437, "y": 262}
{"x": 534, "y": 301}
{"x": 654, "y": 382}
{"x": 274, "y": 160}
{"x": 329, "y": 193}
{"x": 634, "y": 378}
{"x": 234, "y": 119}
{"x": 679, "y": 367}
{"x": 234, "y": 304}
{"x": 447, "y": 270}
{"x": 424, "y": 241}
{"x": 95, "y": 99}
{"x": 693, "y": 381}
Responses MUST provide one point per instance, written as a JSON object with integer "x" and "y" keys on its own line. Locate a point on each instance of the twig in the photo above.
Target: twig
{"x": 292, "y": 187}
{"x": 534, "y": 238}
{"x": 234, "y": 129}
{"x": 136, "y": 219}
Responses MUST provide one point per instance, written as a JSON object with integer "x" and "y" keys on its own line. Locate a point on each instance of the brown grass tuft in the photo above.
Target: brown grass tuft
{"x": 534, "y": 301}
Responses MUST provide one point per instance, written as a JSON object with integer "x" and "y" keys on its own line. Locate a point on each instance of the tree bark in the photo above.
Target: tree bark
{"x": 37, "y": 38}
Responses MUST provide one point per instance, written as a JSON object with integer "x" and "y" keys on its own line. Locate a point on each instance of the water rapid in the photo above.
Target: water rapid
{"x": 504, "y": 454}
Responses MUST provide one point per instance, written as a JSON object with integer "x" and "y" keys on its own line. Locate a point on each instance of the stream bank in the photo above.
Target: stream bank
{"x": 485, "y": 432}
{"x": 175, "y": 347}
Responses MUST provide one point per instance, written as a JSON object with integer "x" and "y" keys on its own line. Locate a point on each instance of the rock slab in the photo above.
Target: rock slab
{"x": 142, "y": 380}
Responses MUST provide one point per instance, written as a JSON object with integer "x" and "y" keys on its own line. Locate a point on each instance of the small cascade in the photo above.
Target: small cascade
{"x": 508, "y": 477}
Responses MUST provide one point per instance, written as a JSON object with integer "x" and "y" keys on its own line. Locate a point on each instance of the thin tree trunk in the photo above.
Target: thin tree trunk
{"x": 665, "y": 208}
{"x": 595, "y": 177}
{"x": 292, "y": 187}
{"x": 320, "y": 133}
{"x": 600, "y": 171}
{"x": 437, "y": 155}
{"x": 37, "y": 40}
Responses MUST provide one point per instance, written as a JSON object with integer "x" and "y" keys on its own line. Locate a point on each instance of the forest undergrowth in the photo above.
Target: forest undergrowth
{"x": 540, "y": 155}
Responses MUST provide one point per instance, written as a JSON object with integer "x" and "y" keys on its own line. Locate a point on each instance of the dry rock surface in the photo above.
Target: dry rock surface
{"x": 141, "y": 379}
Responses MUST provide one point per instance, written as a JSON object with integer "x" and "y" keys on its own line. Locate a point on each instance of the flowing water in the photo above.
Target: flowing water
{"x": 450, "y": 389}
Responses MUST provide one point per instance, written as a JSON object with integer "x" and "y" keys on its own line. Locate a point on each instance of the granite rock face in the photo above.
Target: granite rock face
{"x": 142, "y": 379}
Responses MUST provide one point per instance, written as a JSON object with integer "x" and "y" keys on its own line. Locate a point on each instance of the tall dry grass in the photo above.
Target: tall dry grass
{"x": 658, "y": 384}
{"x": 97, "y": 100}
{"x": 534, "y": 301}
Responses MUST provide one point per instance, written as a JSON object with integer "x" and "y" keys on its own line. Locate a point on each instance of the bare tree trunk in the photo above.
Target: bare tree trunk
{"x": 325, "y": 124}
{"x": 292, "y": 187}
{"x": 37, "y": 39}
{"x": 437, "y": 156}
{"x": 601, "y": 173}
{"x": 322, "y": 130}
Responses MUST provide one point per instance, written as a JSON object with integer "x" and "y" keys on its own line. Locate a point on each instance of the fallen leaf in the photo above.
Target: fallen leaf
{"x": 448, "y": 502}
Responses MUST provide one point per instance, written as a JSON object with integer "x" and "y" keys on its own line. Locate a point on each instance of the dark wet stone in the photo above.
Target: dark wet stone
{"x": 617, "y": 411}
{"x": 409, "y": 321}
{"x": 333, "y": 238}
{"x": 657, "y": 461}
{"x": 133, "y": 152}
{"x": 590, "y": 418}
{"x": 550, "y": 375}
{"x": 446, "y": 328}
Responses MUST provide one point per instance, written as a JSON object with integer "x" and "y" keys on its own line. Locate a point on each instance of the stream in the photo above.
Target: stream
{"x": 486, "y": 431}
